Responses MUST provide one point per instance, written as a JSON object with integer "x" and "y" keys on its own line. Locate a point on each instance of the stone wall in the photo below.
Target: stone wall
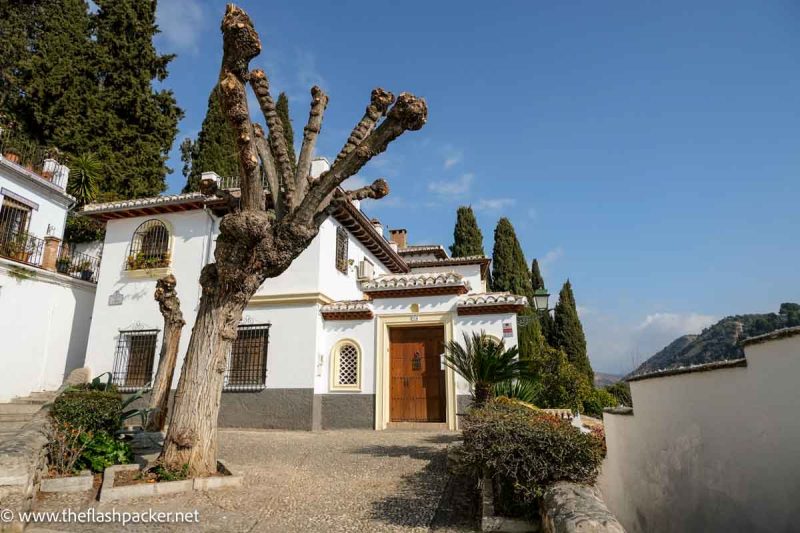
{"x": 571, "y": 508}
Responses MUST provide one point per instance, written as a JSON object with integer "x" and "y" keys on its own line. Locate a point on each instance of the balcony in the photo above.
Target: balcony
{"x": 48, "y": 253}
{"x": 41, "y": 161}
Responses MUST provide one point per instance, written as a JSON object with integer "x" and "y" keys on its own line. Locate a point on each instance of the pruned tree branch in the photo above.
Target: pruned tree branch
{"x": 319, "y": 101}
{"x": 379, "y": 103}
{"x": 268, "y": 163}
{"x": 277, "y": 142}
{"x": 377, "y": 190}
{"x": 240, "y": 45}
{"x": 408, "y": 113}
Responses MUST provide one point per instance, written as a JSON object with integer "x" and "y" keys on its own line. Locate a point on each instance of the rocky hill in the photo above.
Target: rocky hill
{"x": 720, "y": 341}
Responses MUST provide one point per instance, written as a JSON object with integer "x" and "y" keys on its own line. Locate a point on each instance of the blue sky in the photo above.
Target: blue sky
{"x": 649, "y": 152}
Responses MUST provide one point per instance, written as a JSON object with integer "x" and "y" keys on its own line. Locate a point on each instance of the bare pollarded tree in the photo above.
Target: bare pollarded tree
{"x": 170, "y": 307}
{"x": 264, "y": 234}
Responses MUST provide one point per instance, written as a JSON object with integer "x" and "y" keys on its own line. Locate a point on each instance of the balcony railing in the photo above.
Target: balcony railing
{"x": 21, "y": 246}
{"x": 35, "y": 158}
{"x": 77, "y": 264}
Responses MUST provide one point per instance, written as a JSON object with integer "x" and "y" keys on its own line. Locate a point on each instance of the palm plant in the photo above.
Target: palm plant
{"x": 85, "y": 171}
{"x": 524, "y": 390}
{"x": 484, "y": 362}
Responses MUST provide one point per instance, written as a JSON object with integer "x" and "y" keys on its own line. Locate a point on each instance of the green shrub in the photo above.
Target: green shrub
{"x": 597, "y": 400}
{"x": 621, "y": 390}
{"x": 101, "y": 450}
{"x": 526, "y": 450}
{"x": 91, "y": 410}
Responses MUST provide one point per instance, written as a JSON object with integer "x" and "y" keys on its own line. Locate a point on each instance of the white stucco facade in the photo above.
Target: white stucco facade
{"x": 302, "y": 330}
{"x": 712, "y": 449}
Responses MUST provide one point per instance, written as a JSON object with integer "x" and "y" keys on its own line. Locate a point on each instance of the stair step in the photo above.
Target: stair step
{"x": 15, "y": 417}
{"x": 19, "y": 408}
{"x": 6, "y": 427}
{"x": 44, "y": 395}
{"x": 29, "y": 400}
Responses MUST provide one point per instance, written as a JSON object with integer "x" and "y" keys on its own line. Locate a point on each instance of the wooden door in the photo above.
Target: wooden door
{"x": 417, "y": 387}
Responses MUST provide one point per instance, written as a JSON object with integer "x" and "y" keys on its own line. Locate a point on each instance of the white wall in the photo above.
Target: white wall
{"x": 710, "y": 451}
{"x": 52, "y": 204}
{"x": 44, "y": 324}
{"x": 472, "y": 273}
{"x": 190, "y": 242}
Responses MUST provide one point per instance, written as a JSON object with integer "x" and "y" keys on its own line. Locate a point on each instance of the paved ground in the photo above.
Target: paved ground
{"x": 327, "y": 481}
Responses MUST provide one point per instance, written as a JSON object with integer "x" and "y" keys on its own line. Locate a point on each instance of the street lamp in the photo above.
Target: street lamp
{"x": 541, "y": 299}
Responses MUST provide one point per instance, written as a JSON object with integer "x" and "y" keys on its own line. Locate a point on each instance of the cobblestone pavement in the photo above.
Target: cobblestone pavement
{"x": 326, "y": 481}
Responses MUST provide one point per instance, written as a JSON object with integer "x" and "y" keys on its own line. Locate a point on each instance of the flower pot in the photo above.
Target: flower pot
{"x": 22, "y": 257}
{"x": 12, "y": 156}
{"x": 62, "y": 267}
{"x": 86, "y": 275}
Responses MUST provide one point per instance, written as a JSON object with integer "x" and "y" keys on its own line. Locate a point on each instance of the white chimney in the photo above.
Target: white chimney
{"x": 378, "y": 226}
{"x": 393, "y": 245}
{"x": 318, "y": 166}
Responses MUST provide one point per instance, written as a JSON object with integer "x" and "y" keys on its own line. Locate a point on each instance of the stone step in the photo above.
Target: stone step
{"x": 29, "y": 400}
{"x": 10, "y": 427}
{"x": 19, "y": 408}
{"x": 15, "y": 417}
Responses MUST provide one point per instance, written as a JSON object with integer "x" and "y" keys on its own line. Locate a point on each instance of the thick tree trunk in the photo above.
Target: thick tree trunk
{"x": 192, "y": 434}
{"x": 255, "y": 243}
{"x": 170, "y": 307}
{"x": 483, "y": 394}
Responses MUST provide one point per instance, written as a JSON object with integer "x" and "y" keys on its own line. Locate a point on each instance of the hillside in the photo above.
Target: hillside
{"x": 720, "y": 341}
{"x": 601, "y": 379}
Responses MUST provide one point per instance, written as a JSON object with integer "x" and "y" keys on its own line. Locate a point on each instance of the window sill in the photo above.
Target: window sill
{"x": 148, "y": 273}
{"x": 334, "y": 390}
{"x": 243, "y": 388}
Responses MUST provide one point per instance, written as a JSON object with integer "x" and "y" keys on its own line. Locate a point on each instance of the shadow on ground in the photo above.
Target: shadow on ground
{"x": 429, "y": 497}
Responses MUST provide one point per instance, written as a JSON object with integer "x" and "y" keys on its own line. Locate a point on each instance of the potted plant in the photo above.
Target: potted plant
{"x": 85, "y": 268}
{"x": 19, "y": 247}
{"x": 63, "y": 264}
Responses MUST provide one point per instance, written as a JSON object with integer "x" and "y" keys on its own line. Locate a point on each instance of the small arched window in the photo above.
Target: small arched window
{"x": 346, "y": 366}
{"x": 149, "y": 246}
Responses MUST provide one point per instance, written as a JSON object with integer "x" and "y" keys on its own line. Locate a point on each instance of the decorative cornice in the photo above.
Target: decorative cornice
{"x": 291, "y": 298}
{"x": 416, "y": 284}
{"x": 491, "y": 302}
{"x": 347, "y": 310}
{"x": 481, "y": 260}
{"x": 436, "y": 249}
{"x": 145, "y": 206}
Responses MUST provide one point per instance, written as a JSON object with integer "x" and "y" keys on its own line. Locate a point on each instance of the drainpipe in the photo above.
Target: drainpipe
{"x": 209, "y": 240}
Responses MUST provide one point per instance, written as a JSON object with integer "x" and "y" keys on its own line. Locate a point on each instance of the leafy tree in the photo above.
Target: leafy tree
{"x": 133, "y": 124}
{"x": 537, "y": 281}
{"x": 561, "y": 384}
{"x": 467, "y": 236}
{"x": 215, "y": 148}
{"x": 621, "y": 390}
{"x": 282, "y": 107}
{"x": 510, "y": 270}
{"x": 85, "y": 172}
{"x": 569, "y": 334}
{"x": 530, "y": 340}
{"x": 597, "y": 400}
{"x": 484, "y": 363}
{"x": 257, "y": 241}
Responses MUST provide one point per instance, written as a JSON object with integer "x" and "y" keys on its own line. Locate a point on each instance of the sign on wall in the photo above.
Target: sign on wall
{"x": 508, "y": 329}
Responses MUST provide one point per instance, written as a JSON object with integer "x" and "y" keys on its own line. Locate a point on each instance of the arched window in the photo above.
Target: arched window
{"x": 346, "y": 366}
{"x": 149, "y": 246}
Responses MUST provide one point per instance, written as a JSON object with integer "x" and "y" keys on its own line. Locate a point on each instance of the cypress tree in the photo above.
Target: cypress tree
{"x": 467, "y": 236}
{"x": 509, "y": 268}
{"x": 282, "y": 108}
{"x": 537, "y": 281}
{"x": 569, "y": 334}
{"x": 215, "y": 148}
{"x": 134, "y": 125}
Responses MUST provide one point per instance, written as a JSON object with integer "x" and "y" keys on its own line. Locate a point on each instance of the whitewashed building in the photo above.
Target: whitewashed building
{"x": 351, "y": 335}
{"x": 46, "y": 290}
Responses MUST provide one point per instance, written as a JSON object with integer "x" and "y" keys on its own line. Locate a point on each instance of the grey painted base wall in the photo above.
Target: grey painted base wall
{"x": 463, "y": 401}
{"x": 297, "y": 409}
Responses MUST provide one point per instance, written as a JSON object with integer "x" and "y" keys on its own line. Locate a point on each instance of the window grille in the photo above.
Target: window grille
{"x": 346, "y": 366}
{"x": 15, "y": 241}
{"x": 149, "y": 246}
{"x": 247, "y": 364}
{"x": 341, "y": 250}
{"x": 134, "y": 359}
